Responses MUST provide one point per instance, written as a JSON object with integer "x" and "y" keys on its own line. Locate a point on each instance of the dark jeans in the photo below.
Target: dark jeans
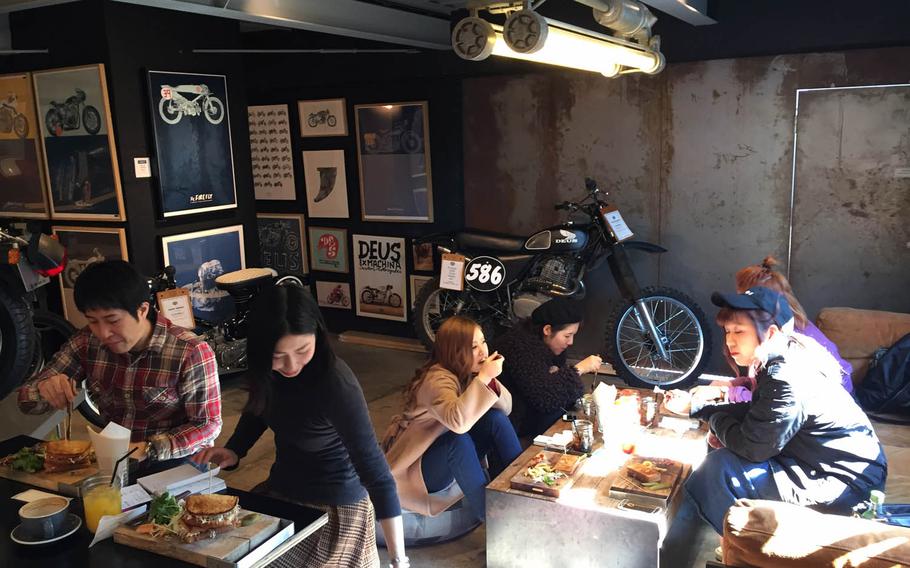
{"x": 458, "y": 456}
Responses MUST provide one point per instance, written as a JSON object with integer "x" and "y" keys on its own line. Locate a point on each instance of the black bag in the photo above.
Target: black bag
{"x": 886, "y": 388}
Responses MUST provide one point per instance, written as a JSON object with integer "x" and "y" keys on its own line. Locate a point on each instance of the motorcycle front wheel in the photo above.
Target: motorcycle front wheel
{"x": 214, "y": 110}
{"x": 331, "y": 121}
{"x": 395, "y": 301}
{"x": 17, "y": 341}
{"x": 91, "y": 119}
{"x": 410, "y": 142}
{"x": 54, "y": 122}
{"x": 169, "y": 112}
{"x": 434, "y": 305}
{"x": 366, "y": 297}
{"x": 312, "y": 122}
{"x": 20, "y": 126}
{"x": 683, "y": 332}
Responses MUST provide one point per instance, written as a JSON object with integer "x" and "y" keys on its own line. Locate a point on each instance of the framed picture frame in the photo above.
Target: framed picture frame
{"x": 84, "y": 246}
{"x": 379, "y": 277}
{"x": 416, "y": 283}
{"x": 177, "y": 306}
{"x": 200, "y": 257}
{"x": 282, "y": 244}
{"x": 270, "y": 150}
{"x": 323, "y": 117}
{"x": 328, "y": 249}
{"x": 326, "y": 184}
{"x": 393, "y": 151}
{"x": 422, "y": 255}
{"x": 22, "y": 181}
{"x": 77, "y": 144}
{"x": 192, "y": 127}
{"x": 333, "y": 294}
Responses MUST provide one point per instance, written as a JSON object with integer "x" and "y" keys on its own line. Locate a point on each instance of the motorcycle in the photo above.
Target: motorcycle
{"x": 173, "y": 105}
{"x": 655, "y": 336}
{"x": 71, "y": 114}
{"x": 399, "y": 138}
{"x": 11, "y": 120}
{"x": 370, "y": 295}
{"x": 321, "y": 117}
{"x": 337, "y": 296}
{"x": 75, "y": 267}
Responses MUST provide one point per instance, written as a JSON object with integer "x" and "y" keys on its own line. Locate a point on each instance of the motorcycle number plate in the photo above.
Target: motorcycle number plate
{"x": 485, "y": 273}
{"x": 166, "y": 93}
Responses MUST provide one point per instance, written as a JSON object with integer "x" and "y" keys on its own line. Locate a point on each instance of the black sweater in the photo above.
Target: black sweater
{"x": 526, "y": 373}
{"x": 326, "y": 451}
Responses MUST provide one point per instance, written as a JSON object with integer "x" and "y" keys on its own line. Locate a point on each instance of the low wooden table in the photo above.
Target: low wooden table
{"x": 583, "y": 527}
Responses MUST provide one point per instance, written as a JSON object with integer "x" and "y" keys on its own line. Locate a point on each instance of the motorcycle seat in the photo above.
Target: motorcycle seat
{"x": 245, "y": 281}
{"x": 489, "y": 241}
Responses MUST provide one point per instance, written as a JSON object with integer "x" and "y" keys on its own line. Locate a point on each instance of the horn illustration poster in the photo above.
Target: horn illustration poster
{"x": 379, "y": 279}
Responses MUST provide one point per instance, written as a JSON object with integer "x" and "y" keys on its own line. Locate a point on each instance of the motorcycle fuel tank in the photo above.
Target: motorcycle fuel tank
{"x": 557, "y": 239}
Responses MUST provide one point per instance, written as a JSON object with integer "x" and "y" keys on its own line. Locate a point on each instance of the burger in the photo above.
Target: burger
{"x": 66, "y": 455}
{"x": 204, "y": 516}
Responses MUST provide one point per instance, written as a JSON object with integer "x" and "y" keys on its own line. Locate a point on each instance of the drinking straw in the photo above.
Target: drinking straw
{"x": 117, "y": 465}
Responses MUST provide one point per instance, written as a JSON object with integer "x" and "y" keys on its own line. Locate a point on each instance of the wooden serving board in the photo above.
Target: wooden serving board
{"x": 625, "y": 484}
{"x": 521, "y": 481}
{"x": 65, "y": 482}
{"x": 226, "y": 548}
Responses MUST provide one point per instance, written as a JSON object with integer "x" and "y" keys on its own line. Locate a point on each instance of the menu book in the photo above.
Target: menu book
{"x": 179, "y": 479}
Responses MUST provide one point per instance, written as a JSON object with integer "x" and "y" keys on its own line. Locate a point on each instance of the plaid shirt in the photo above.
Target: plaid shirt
{"x": 167, "y": 394}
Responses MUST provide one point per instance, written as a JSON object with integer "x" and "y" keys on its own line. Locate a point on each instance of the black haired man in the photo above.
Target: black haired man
{"x": 157, "y": 379}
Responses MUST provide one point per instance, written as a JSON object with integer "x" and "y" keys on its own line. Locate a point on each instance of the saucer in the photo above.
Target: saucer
{"x": 70, "y": 525}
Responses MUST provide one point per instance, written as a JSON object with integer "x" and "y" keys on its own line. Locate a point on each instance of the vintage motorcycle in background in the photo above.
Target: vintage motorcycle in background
{"x": 75, "y": 267}
{"x": 337, "y": 296}
{"x": 321, "y": 117}
{"x": 399, "y": 138}
{"x": 173, "y": 105}
{"x": 71, "y": 114}
{"x": 11, "y": 120}
{"x": 655, "y": 336}
{"x": 370, "y": 295}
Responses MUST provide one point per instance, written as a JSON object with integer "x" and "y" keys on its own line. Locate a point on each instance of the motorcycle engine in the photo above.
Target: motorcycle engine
{"x": 524, "y": 304}
{"x": 557, "y": 273}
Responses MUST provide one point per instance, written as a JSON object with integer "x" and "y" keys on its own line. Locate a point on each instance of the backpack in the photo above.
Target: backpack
{"x": 886, "y": 387}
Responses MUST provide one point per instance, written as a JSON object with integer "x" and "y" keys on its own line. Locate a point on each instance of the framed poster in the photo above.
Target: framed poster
{"x": 84, "y": 246}
{"x": 417, "y": 282}
{"x": 77, "y": 144}
{"x": 326, "y": 184}
{"x": 333, "y": 294}
{"x": 423, "y": 256}
{"x": 198, "y": 259}
{"x": 21, "y": 179}
{"x": 270, "y": 149}
{"x": 379, "y": 281}
{"x": 393, "y": 148}
{"x": 192, "y": 126}
{"x": 282, "y": 244}
{"x": 328, "y": 249}
{"x": 324, "y": 117}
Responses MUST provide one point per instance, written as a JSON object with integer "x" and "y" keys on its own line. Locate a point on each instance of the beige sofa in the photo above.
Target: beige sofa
{"x": 858, "y": 334}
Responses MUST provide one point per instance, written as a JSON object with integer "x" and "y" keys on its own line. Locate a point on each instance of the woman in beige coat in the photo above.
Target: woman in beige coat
{"x": 456, "y": 413}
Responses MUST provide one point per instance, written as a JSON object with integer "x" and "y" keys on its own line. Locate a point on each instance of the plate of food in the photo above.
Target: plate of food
{"x": 647, "y": 476}
{"x": 547, "y": 473}
{"x": 57, "y": 465}
{"x": 678, "y": 402}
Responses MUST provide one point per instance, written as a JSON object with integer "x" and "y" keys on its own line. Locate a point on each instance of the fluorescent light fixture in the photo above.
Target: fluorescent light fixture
{"x": 565, "y": 49}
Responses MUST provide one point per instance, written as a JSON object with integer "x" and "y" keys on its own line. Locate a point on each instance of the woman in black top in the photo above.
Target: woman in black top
{"x": 542, "y": 383}
{"x": 326, "y": 452}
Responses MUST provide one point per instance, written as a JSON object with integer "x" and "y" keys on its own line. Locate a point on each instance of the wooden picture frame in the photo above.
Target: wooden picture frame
{"x": 323, "y": 117}
{"x": 22, "y": 180}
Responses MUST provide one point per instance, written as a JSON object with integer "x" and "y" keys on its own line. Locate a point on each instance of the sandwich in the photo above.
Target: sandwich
{"x": 645, "y": 471}
{"x": 204, "y": 516}
{"x": 567, "y": 464}
{"x": 66, "y": 455}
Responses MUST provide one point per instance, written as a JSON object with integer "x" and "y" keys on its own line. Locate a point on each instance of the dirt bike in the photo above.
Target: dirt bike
{"x": 173, "y": 105}
{"x": 399, "y": 138}
{"x": 370, "y": 295}
{"x": 654, "y": 335}
{"x": 321, "y": 117}
{"x": 337, "y": 296}
{"x": 11, "y": 120}
{"x": 71, "y": 114}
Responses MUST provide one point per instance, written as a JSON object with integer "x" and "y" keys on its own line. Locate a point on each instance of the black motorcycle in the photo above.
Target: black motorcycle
{"x": 655, "y": 336}
{"x": 71, "y": 114}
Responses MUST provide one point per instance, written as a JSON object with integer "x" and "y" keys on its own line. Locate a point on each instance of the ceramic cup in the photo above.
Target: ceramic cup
{"x": 43, "y": 518}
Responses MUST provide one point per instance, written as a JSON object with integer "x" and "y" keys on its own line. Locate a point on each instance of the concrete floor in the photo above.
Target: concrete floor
{"x": 383, "y": 373}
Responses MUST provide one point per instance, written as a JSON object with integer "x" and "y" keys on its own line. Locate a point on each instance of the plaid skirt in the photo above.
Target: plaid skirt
{"x": 348, "y": 539}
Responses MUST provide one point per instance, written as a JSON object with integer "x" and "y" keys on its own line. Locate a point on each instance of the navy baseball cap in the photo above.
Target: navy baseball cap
{"x": 757, "y": 298}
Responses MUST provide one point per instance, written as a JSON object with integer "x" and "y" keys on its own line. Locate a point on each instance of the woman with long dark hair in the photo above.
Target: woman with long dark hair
{"x": 327, "y": 456}
{"x": 456, "y": 412}
{"x": 798, "y": 440}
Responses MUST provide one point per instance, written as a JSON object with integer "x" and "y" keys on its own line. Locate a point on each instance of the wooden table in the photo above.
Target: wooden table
{"x": 583, "y": 527}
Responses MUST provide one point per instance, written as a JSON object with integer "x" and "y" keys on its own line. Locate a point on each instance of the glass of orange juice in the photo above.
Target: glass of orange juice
{"x": 100, "y": 498}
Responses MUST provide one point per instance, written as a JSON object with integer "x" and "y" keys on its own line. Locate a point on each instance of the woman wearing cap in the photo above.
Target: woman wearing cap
{"x": 799, "y": 440}
{"x": 456, "y": 412}
{"x": 543, "y": 384}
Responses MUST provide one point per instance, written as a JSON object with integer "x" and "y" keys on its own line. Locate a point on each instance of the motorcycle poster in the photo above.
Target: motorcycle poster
{"x": 270, "y": 150}
{"x": 322, "y": 118}
{"x": 379, "y": 277}
{"x": 333, "y": 294}
{"x": 192, "y": 126}
{"x": 326, "y": 184}
{"x": 328, "y": 249}
{"x": 281, "y": 243}
{"x": 393, "y": 147}
{"x": 77, "y": 142}
{"x": 21, "y": 180}
{"x": 84, "y": 246}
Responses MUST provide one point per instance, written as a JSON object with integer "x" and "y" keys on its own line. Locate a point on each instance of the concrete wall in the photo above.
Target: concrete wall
{"x": 700, "y": 160}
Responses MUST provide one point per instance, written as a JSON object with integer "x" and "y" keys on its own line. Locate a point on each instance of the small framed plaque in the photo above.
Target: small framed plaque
{"x": 176, "y": 306}
{"x": 451, "y": 273}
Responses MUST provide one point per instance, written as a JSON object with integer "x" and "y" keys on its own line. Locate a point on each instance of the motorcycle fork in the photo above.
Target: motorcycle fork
{"x": 630, "y": 290}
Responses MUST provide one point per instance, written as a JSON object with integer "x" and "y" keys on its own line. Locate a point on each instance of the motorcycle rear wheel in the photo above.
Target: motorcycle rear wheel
{"x": 684, "y": 333}
{"x": 53, "y": 122}
{"x": 395, "y": 300}
{"x": 331, "y": 121}
{"x": 169, "y": 112}
{"x": 20, "y": 126}
{"x": 17, "y": 341}
{"x": 366, "y": 297}
{"x": 434, "y": 305}
{"x": 91, "y": 119}
{"x": 214, "y": 110}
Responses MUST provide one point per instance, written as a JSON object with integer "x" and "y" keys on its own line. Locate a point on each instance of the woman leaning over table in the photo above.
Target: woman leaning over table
{"x": 326, "y": 453}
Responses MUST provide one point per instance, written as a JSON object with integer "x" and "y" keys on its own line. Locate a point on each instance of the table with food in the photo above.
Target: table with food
{"x": 58, "y": 509}
{"x": 606, "y": 503}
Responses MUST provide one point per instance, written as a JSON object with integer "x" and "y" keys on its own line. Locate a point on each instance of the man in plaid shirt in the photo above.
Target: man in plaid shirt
{"x": 157, "y": 379}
